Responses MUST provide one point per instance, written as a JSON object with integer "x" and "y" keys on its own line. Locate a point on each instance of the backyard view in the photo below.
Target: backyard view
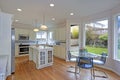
{"x": 118, "y": 38}
{"x": 97, "y": 37}
{"x": 74, "y": 46}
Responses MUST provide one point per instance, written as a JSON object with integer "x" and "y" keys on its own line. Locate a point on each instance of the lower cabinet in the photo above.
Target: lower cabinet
{"x": 60, "y": 51}
{"x": 41, "y": 57}
{"x": 3, "y": 67}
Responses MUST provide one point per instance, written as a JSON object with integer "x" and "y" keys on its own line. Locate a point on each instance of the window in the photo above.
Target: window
{"x": 117, "y": 42}
{"x": 50, "y": 38}
{"x": 41, "y": 35}
{"x": 97, "y": 37}
{"x": 44, "y": 37}
{"x": 74, "y": 41}
{"x": 50, "y": 35}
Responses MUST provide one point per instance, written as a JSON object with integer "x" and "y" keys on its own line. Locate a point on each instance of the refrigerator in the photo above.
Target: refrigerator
{"x": 12, "y": 50}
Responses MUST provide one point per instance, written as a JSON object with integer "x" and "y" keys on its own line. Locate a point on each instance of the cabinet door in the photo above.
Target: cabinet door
{"x": 50, "y": 56}
{"x": 42, "y": 57}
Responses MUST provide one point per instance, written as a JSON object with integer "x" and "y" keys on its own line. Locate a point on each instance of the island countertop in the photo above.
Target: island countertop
{"x": 40, "y": 47}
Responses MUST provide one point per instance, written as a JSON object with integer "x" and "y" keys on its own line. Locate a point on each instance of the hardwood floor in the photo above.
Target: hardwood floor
{"x": 25, "y": 70}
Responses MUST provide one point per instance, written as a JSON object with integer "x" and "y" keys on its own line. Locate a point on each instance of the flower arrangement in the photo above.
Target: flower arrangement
{"x": 83, "y": 50}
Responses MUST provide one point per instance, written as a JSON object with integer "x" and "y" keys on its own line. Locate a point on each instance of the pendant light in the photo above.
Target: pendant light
{"x": 43, "y": 26}
{"x": 35, "y": 25}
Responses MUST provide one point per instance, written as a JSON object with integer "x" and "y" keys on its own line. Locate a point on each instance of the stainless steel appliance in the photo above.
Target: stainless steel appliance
{"x": 23, "y": 49}
{"x": 23, "y": 37}
{"x": 12, "y": 50}
{"x": 24, "y": 45}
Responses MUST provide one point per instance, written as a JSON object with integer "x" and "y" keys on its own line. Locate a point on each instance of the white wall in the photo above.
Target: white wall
{"x": 68, "y": 36}
{"x": 5, "y": 37}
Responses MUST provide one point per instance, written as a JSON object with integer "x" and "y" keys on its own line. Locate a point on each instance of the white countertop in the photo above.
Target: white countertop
{"x": 3, "y": 64}
{"x": 41, "y": 47}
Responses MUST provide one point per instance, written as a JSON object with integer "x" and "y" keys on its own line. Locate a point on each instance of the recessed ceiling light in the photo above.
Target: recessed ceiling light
{"x": 53, "y": 19}
{"x": 19, "y": 9}
{"x": 52, "y": 5}
{"x": 71, "y": 14}
{"x": 16, "y": 20}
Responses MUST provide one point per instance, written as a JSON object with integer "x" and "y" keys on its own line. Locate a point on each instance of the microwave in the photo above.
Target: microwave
{"x": 23, "y": 37}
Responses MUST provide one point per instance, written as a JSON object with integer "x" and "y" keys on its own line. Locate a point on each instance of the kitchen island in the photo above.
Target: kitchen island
{"x": 42, "y": 56}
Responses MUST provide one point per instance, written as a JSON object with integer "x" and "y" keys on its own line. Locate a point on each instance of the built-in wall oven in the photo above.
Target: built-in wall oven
{"x": 23, "y": 47}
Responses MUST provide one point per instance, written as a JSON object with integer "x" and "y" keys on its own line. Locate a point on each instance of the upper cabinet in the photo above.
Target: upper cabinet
{"x": 59, "y": 34}
{"x": 25, "y": 32}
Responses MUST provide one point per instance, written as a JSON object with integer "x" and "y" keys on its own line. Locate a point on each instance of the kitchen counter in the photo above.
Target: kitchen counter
{"x": 42, "y": 56}
{"x": 40, "y": 47}
{"x": 3, "y": 66}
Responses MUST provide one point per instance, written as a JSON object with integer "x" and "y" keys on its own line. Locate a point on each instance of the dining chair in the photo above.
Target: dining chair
{"x": 86, "y": 63}
{"x": 71, "y": 58}
{"x": 100, "y": 61}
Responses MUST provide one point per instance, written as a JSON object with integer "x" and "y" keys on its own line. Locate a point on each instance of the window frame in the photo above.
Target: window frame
{"x": 94, "y": 21}
{"x": 116, "y": 37}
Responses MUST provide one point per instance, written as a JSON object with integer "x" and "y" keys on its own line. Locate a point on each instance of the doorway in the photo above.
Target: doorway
{"x": 74, "y": 40}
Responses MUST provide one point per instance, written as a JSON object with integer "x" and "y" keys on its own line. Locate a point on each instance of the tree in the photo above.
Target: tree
{"x": 91, "y": 35}
{"x": 104, "y": 38}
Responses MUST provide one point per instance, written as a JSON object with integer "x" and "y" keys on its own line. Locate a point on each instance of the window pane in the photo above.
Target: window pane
{"x": 74, "y": 41}
{"x": 97, "y": 37}
{"x": 41, "y": 37}
{"x": 118, "y": 38}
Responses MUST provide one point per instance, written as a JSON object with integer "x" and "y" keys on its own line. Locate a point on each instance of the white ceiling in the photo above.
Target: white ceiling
{"x": 34, "y": 9}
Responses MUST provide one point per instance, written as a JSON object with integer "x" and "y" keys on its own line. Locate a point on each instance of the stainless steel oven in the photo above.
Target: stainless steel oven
{"x": 23, "y": 49}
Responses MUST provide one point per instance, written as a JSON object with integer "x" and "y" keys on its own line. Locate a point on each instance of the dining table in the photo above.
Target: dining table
{"x": 86, "y": 54}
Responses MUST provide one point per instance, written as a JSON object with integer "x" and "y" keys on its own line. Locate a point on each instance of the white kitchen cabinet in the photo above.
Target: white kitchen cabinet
{"x": 27, "y": 32}
{"x": 60, "y": 51}
{"x": 59, "y": 34}
{"x": 42, "y": 56}
{"x": 3, "y": 67}
{"x": 5, "y": 37}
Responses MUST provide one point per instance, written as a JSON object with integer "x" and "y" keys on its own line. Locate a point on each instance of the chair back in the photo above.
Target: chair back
{"x": 103, "y": 57}
{"x": 85, "y": 62}
{"x": 69, "y": 55}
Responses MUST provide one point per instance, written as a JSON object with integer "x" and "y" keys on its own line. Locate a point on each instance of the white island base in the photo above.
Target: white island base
{"x": 41, "y": 56}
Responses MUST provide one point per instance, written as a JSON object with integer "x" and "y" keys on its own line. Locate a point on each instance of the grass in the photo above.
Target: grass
{"x": 96, "y": 50}
{"x": 118, "y": 55}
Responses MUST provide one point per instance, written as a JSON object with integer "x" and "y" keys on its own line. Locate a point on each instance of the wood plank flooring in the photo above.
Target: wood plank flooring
{"x": 25, "y": 70}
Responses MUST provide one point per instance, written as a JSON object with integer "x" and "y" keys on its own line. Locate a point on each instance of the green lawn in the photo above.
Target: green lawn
{"x": 118, "y": 56}
{"x": 96, "y": 50}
